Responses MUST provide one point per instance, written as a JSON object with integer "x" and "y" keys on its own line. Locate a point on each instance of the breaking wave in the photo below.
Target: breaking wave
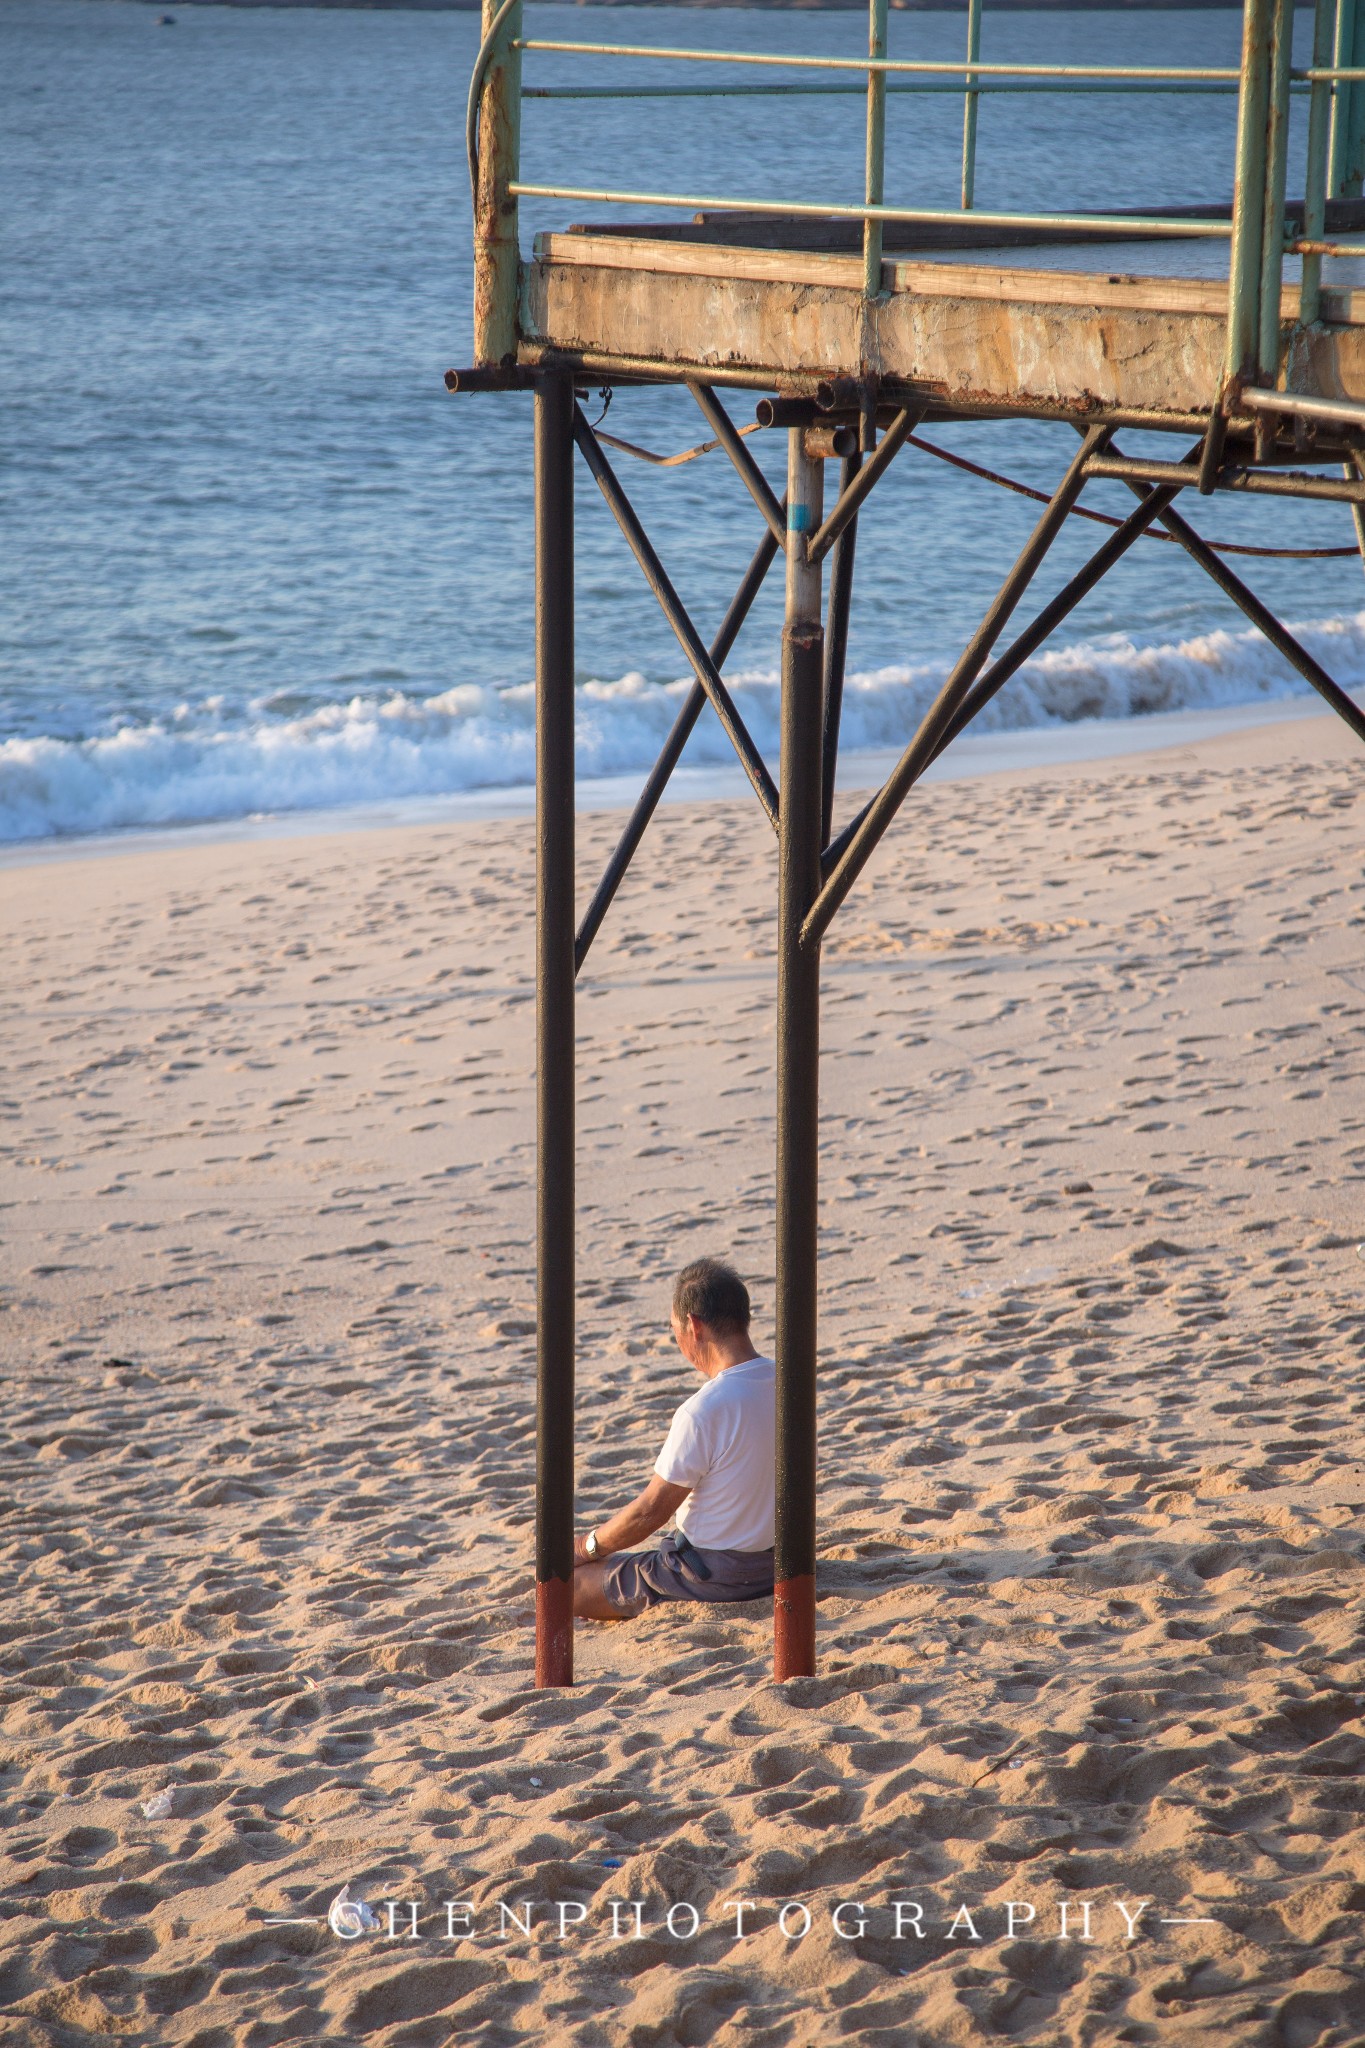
{"x": 207, "y": 763}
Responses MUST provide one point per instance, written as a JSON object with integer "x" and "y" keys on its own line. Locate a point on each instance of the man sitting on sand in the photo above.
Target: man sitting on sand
{"x": 713, "y": 1477}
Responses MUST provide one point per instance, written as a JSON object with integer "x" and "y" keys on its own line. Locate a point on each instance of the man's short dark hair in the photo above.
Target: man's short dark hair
{"x": 714, "y": 1293}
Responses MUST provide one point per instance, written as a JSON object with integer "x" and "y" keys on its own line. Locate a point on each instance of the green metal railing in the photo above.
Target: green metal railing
{"x": 1265, "y": 82}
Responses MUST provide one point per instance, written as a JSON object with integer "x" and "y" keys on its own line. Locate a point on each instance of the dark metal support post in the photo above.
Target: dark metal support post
{"x": 798, "y": 1076}
{"x": 836, "y": 647}
{"x": 554, "y": 444}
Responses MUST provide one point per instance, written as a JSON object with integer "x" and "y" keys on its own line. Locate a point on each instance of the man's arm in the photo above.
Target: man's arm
{"x": 658, "y": 1503}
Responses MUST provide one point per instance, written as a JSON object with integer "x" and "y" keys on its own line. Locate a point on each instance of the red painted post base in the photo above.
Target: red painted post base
{"x": 794, "y": 1628}
{"x": 554, "y": 1632}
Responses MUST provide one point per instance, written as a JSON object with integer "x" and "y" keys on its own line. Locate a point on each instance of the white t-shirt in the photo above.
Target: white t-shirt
{"x": 721, "y": 1444}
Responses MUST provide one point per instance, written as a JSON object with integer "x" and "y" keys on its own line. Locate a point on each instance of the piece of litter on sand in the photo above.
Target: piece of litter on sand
{"x": 348, "y": 1917}
{"x": 535, "y": 1781}
{"x": 611, "y": 1862}
{"x": 159, "y": 1805}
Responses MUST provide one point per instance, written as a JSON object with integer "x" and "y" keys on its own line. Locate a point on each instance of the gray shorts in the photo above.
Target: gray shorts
{"x": 636, "y": 1579}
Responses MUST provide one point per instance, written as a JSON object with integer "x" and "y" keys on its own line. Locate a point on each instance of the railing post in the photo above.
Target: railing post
{"x": 874, "y": 179}
{"x": 554, "y": 456}
{"x": 1272, "y": 228}
{"x": 1343, "y": 96}
{"x": 495, "y": 207}
{"x": 1353, "y": 168}
{"x": 798, "y": 1075}
{"x": 1248, "y": 203}
{"x": 1316, "y": 164}
{"x": 969, "y": 107}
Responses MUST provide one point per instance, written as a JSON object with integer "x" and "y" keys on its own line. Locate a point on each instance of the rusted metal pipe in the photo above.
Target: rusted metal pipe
{"x": 1347, "y": 412}
{"x": 648, "y": 800}
{"x": 500, "y": 377}
{"x": 953, "y": 694}
{"x": 829, "y": 444}
{"x": 1289, "y": 483}
{"x": 674, "y": 611}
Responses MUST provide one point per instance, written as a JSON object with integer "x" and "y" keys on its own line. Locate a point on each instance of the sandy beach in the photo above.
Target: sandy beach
{"x": 1092, "y": 1531}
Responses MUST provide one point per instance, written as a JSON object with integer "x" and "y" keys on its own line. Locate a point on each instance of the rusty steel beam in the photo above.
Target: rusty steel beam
{"x": 674, "y": 611}
{"x": 950, "y": 698}
{"x": 752, "y": 477}
{"x": 648, "y": 800}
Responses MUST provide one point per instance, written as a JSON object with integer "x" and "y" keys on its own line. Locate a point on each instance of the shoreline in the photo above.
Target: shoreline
{"x": 1030, "y": 748}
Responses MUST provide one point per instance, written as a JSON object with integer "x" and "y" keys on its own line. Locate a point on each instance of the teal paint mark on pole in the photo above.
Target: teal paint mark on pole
{"x": 1316, "y": 167}
{"x": 875, "y": 176}
{"x": 1248, "y": 203}
{"x": 969, "y": 107}
{"x": 1272, "y": 231}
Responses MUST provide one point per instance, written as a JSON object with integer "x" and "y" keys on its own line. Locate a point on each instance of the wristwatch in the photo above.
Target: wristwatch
{"x": 590, "y": 1543}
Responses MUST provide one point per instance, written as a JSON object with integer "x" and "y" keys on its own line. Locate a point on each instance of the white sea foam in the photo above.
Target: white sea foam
{"x": 206, "y": 765}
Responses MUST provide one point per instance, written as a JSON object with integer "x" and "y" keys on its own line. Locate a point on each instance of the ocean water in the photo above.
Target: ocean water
{"x": 253, "y": 559}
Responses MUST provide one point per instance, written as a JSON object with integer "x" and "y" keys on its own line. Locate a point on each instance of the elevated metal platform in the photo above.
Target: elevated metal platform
{"x": 1237, "y": 325}
{"x": 956, "y": 331}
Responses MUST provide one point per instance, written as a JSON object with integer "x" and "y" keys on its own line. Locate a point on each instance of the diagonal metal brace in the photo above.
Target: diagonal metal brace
{"x": 1261, "y": 616}
{"x": 648, "y": 800}
{"x": 757, "y": 485}
{"x": 954, "y": 693}
{"x": 871, "y": 473}
{"x": 705, "y": 670}
{"x": 1018, "y": 652}
{"x": 836, "y": 650}
{"x": 1152, "y": 508}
